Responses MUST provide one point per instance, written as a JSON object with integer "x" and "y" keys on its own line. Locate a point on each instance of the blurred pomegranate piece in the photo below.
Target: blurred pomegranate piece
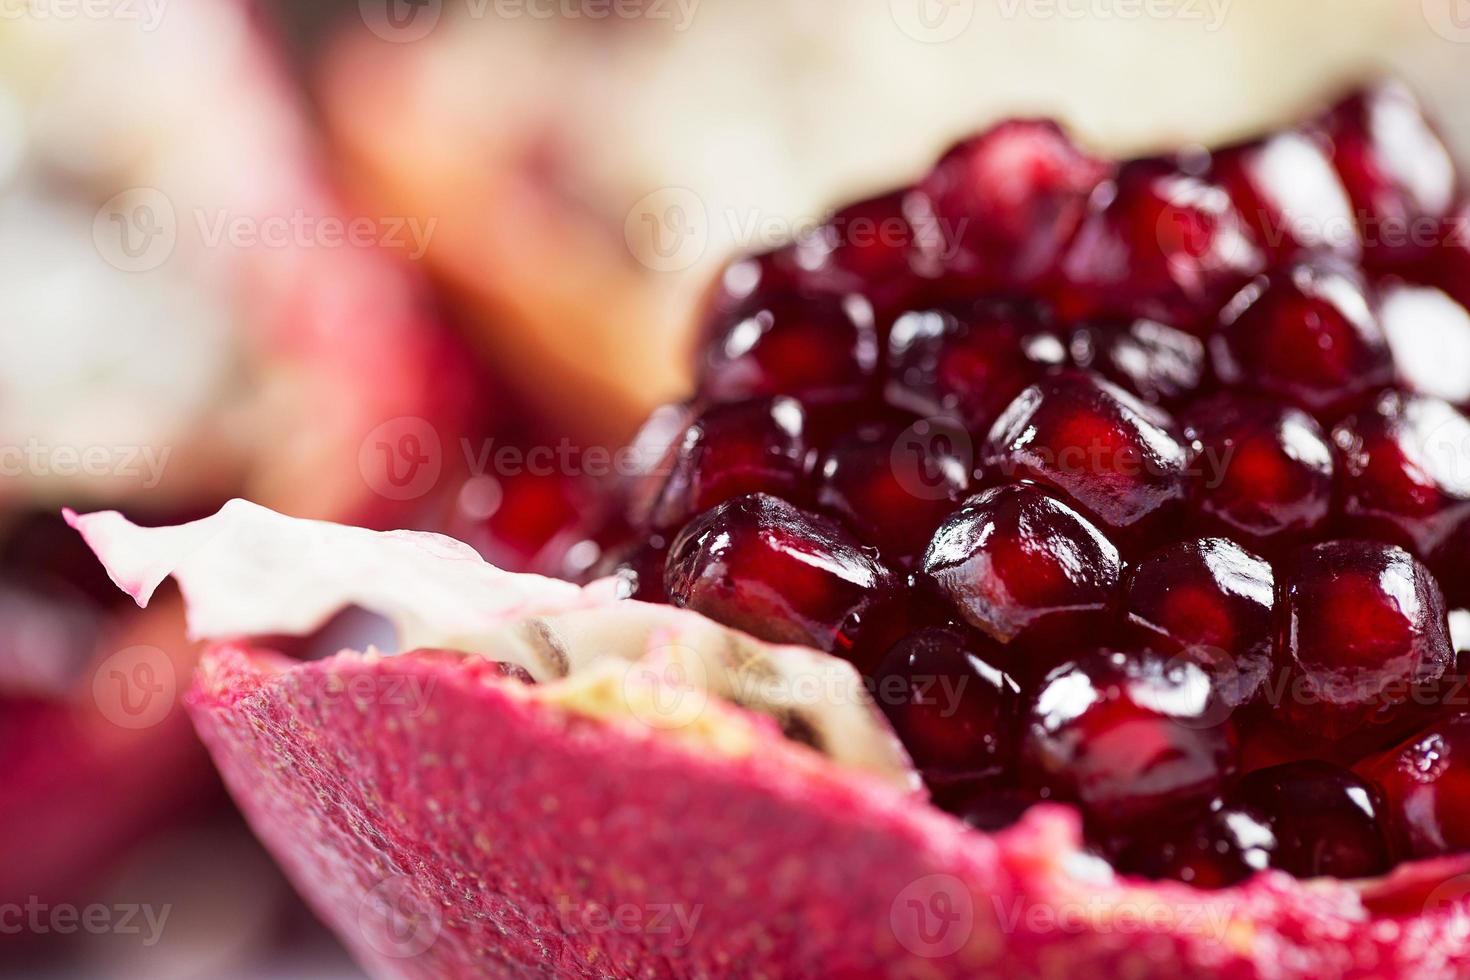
{"x": 1006, "y": 202}
{"x": 1426, "y": 787}
{"x": 1428, "y": 332}
{"x": 1156, "y": 362}
{"x": 968, "y": 361}
{"x": 1165, "y": 244}
{"x": 1222, "y": 848}
{"x": 1326, "y": 820}
{"x": 1290, "y": 196}
{"x": 1309, "y": 335}
{"x": 1397, "y": 171}
{"x": 777, "y": 572}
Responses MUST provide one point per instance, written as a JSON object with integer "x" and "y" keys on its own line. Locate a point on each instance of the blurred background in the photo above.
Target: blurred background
{"x": 337, "y": 256}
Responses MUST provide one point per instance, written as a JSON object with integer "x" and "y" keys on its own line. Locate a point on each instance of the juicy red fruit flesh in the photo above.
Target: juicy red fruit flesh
{"x": 1142, "y": 489}
{"x": 775, "y": 571}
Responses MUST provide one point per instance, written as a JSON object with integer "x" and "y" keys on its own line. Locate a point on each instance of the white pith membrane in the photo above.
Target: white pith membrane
{"x": 249, "y": 571}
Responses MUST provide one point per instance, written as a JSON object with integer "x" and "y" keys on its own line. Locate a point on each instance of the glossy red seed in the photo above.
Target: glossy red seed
{"x": 871, "y": 248}
{"x": 1005, "y": 203}
{"x": 1130, "y": 737}
{"x": 1165, "y": 244}
{"x": 1426, "y": 787}
{"x": 782, "y": 574}
{"x": 818, "y": 347}
{"x": 1397, "y": 170}
{"x": 1327, "y": 821}
{"x": 1290, "y": 196}
{"x": 728, "y": 451}
{"x": 894, "y": 484}
{"x": 1224, "y": 847}
{"x": 954, "y": 709}
{"x": 986, "y": 804}
{"x": 1122, "y": 461}
{"x": 1428, "y": 332}
{"x": 968, "y": 362}
{"x": 1309, "y": 335}
{"x": 1019, "y": 564}
{"x": 1363, "y": 627}
{"x": 1405, "y": 471}
{"x": 1262, "y": 470}
{"x": 639, "y": 568}
{"x": 1210, "y": 601}
{"x": 1156, "y": 362}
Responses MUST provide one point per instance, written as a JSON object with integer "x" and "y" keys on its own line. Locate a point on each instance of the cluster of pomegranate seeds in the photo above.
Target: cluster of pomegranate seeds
{"x": 1139, "y": 486}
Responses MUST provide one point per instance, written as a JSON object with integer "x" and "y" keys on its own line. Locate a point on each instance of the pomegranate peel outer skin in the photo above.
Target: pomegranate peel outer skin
{"x": 505, "y": 836}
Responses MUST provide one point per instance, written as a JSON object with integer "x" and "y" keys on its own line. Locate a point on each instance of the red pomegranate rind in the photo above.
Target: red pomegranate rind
{"x": 526, "y": 840}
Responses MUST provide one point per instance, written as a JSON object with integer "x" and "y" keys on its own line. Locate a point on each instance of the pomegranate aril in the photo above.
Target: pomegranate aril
{"x": 1224, "y": 847}
{"x": 638, "y": 567}
{"x": 968, "y": 361}
{"x": 1308, "y": 334}
{"x": 1211, "y": 601}
{"x": 815, "y": 346}
{"x": 1121, "y": 460}
{"x": 1262, "y": 469}
{"x": 1163, "y": 244}
{"x": 1429, "y": 333}
{"x": 1005, "y": 203}
{"x": 1327, "y": 821}
{"x": 1288, "y": 193}
{"x": 1130, "y": 737}
{"x": 985, "y": 804}
{"x": 1021, "y": 565}
{"x": 871, "y": 248}
{"x": 1363, "y": 628}
{"x": 728, "y": 451}
{"x": 1426, "y": 788}
{"x": 1405, "y": 471}
{"x": 894, "y": 484}
{"x": 955, "y": 710}
{"x": 1397, "y": 171}
{"x": 1156, "y": 362}
{"x": 779, "y": 573}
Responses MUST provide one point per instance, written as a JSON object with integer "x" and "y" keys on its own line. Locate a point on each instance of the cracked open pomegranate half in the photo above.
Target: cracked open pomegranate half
{"x": 1054, "y": 573}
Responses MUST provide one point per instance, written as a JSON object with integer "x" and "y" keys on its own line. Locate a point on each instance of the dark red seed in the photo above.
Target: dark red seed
{"x": 1211, "y": 601}
{"x": 639, "y": 568}
{"x": 1309, "y": 335}
{"x": 1426, "y": 787}
{"x": 1397, "y": 170}
{"x": 728, "y": 451}
{"x": 1327, "y": 821}
{"x": 779, "y": 573}
{"x": 1363, "y": 628}
{"x": 871, "y": 248}
{"x": 986, "y": 804}
{"x": 1019, "y": 564}
{"x": 894, "y": 484}
{"x": 1405, "y": 471}
{"x": 1006, "y": 202}
{"x": 1262, "y": 468}
{"x": 1293, "y": 200}
{"x": 1118, "y": 458}
{"x": 1156, "y": 362}
{"x": 954, "y": 709}
{"x": 1165, "y": 244}
{"x": 820, "y": 348}
{"x": 968, "y": 362}
{"x": 1130, "y": 737}
{"x": 1224, "y": 847}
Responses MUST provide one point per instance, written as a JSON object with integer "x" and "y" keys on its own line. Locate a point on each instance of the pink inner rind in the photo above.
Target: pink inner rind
{"x": 513, "y": 838}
